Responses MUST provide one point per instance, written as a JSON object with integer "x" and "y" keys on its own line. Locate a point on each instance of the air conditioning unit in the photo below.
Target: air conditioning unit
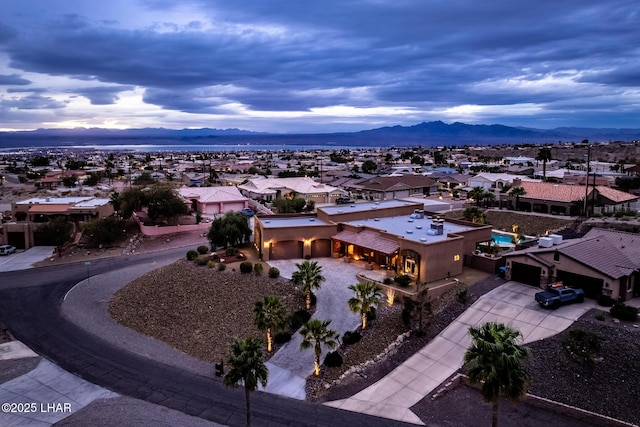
{"x": 545, "y": 242}
{"x": 557, "y": 239}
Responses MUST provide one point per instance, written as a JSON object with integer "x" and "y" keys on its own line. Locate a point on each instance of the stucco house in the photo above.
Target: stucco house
{"x": 392, "y": 235}
{"x": 395, "y": 187}
{"x": 603, "y": 262}
{"x": 214, "y": 200}
{"x": 268, "y": 189}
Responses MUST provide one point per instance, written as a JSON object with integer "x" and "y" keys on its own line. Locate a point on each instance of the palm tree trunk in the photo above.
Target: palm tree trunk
{"x": 248, "y": 402}
{"x": 316, "y": 364}
{"x": 364, "y": 320}
{"x": 269, "y": 340}
{"x": 308, "y": 300}
{"x": 494, "y": 414}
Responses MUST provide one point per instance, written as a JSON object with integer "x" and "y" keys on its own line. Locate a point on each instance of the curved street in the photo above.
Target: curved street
{"x": 30, "y": 303}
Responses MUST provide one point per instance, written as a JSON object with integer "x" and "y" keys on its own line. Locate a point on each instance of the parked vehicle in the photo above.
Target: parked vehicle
{"x": 7, "y": 249}
{"x": 248, "y": 211}
{"x": 558, "y": 294}
{"x": 343, "y": 201}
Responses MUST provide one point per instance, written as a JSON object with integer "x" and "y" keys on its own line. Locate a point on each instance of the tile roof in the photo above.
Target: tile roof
{"x": 212, "y": 194}
{"x": 601, "y": 255}
{"x": 368, "y": 240}
{"x": 301, "y": 185}
{"x": 627, "y": 243}
{"x": 553, "y": 192}
{"x": 616, "y": 196}
{"x": 384, "y": 183}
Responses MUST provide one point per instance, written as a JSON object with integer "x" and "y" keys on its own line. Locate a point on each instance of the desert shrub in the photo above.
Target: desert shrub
{"x": 282, "y": 337}
{"x": 192, "y": 255}
{"x": 372, "y": 314}
{"x": 624, "y": 312}
{"x": 403, "y": 280}
{"x": 257, "y": 268}
{"x": 246, "y": 267}
{"x": 214, "y": 255}
{"x": 406, "y": 316}
{"x": 274, "y": 273}
{"x": 333, "y": 360}
{"x": 583, "y": 346}
{"x": 211, "y": 264}
{"x": 230, "y": 251}
{"x": 600, "y": 316}
{"x": 351, "y": 337}
{"x": 299, "y": 318}
{"x": 222, "y": 266}
{"x": 605, "y": 301}
{"x": 387, "y": 280}
{"x": 462, "y": 295}
{"x": 202, "y": 260}
{"x": 202, "y": 249}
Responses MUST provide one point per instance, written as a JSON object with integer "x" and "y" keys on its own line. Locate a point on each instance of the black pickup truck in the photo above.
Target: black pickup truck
{"x": 558, "y": 294}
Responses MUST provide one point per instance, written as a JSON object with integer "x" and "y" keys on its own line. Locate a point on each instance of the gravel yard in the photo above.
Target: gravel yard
{"x": 197, "y": 309}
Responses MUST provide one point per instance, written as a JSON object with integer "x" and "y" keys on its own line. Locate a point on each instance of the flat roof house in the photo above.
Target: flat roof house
{"x": 393, "y": 235}
{"x": 27, "y": 214}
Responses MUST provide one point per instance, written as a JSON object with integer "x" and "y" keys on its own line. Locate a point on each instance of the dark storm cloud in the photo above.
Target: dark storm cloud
{"x": 13, "y": 80}
{"x": 103, "y": 95}
{"x": 31, "y": 102}
{"x": 273, "y": 55}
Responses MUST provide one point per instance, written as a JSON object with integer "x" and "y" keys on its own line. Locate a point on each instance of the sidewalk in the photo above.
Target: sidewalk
{"x": 512, "y": 303}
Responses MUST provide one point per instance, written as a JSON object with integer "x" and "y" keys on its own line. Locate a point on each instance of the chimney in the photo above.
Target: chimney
{"x": 517, "y": 182}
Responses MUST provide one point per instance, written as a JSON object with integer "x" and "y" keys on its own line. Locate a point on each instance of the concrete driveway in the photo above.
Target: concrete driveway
{"x": 24, "y": 259}
{"x": 290, "y": 366}
{"x": 511, "y": 303}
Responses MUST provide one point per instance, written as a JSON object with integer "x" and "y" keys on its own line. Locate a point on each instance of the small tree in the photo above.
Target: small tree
{"x": 517, "y": 192}
{"x": 247, "y": 368}
{"x": 309, "y": 276}
{"x": 270, "y": 316}
{"x": 366, "y": 299}
{"x": 56, "y": 232}
{"x": 495, "y": 359}
{"x": 230, "y": 229}
{"x": 315, "y": 334}
{"x": 105, "y": 231}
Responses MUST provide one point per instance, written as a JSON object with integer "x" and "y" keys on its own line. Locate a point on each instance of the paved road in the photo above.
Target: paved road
{"x": 30, "y": 303}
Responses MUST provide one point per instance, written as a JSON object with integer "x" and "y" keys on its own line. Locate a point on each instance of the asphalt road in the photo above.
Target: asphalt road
{"x": 30, "y": 302}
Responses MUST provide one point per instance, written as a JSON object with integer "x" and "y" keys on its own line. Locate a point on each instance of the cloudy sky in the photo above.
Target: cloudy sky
{"x": 318, "y": 66}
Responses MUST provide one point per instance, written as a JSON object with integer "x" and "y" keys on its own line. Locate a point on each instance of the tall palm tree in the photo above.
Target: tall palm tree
{"x": 270, "y": 316}
{"x": 247, "y": 368}
{"x": 544, "y": 155}
{"x": 309, "y": 276}
{"x": 517, "y": 192}
{"x": 488, "y": 197}
{"x": 366, "y": 299}
{"x": 495, "y": 359}
{"x": 315, "y": 334}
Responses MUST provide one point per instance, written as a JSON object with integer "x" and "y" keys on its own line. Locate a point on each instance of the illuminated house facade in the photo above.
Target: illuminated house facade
{"x": 392, "y": 235}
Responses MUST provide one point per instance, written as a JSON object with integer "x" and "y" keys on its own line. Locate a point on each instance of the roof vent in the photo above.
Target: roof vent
{"x": 419, "y": 227}
{"x": 376, "y": 219}
{"x": 423, "y": 239}
{"x": 353, "y": 206}
{"x": 266, "y": 221}
{"x": 410, "y": 220}
{"x": 312, "y": 219}
{"x": 340, "y": 211}
{"x": 409, "y": 231}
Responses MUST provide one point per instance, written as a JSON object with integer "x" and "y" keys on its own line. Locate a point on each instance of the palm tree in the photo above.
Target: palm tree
{"x": 488, "y": 197}
{"x": 477, "y": 194}
{"x": 315, "y": 333}
{"x": 495, "y": 359}
{"x": 544, "y": 155}
{"x": 517, "y": 192}
{"x": 309, "y": 275}
{"x": 366, "y": 300}
{"x": 247, "y": 368}
{"x": 270, "y": 315}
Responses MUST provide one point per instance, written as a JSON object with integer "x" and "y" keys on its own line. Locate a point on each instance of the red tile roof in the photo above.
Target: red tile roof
{"x": 553, "y": 192}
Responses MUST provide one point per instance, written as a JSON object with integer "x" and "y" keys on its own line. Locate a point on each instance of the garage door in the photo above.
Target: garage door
{"x": 591, "y": 286}
{"x": 525, "y": 273}
{"x": 321, "y": 248}
{"x": 16, "y": 239}
{"x": 286, "y": 250}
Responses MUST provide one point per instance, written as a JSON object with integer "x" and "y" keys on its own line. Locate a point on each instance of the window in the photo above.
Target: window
{"x": 456, "y": 257}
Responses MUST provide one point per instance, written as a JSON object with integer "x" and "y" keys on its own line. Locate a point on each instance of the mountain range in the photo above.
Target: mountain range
{"x": 425, "y": 134}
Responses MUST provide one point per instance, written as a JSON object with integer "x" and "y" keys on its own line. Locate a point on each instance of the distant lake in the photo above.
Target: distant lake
{"x": 192, "y": 147}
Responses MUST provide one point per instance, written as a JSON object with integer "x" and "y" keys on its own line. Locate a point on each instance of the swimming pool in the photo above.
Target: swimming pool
{"x": 502, "y": 239}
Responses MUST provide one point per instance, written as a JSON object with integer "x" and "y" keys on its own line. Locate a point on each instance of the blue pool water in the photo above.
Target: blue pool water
{"x": 502, "y": 239}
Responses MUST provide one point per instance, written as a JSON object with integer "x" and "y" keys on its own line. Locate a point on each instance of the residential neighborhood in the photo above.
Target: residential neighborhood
{"x": 421, "y": 227}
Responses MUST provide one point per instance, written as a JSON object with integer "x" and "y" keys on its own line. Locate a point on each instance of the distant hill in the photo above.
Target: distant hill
{"x": 425, "y": 134}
